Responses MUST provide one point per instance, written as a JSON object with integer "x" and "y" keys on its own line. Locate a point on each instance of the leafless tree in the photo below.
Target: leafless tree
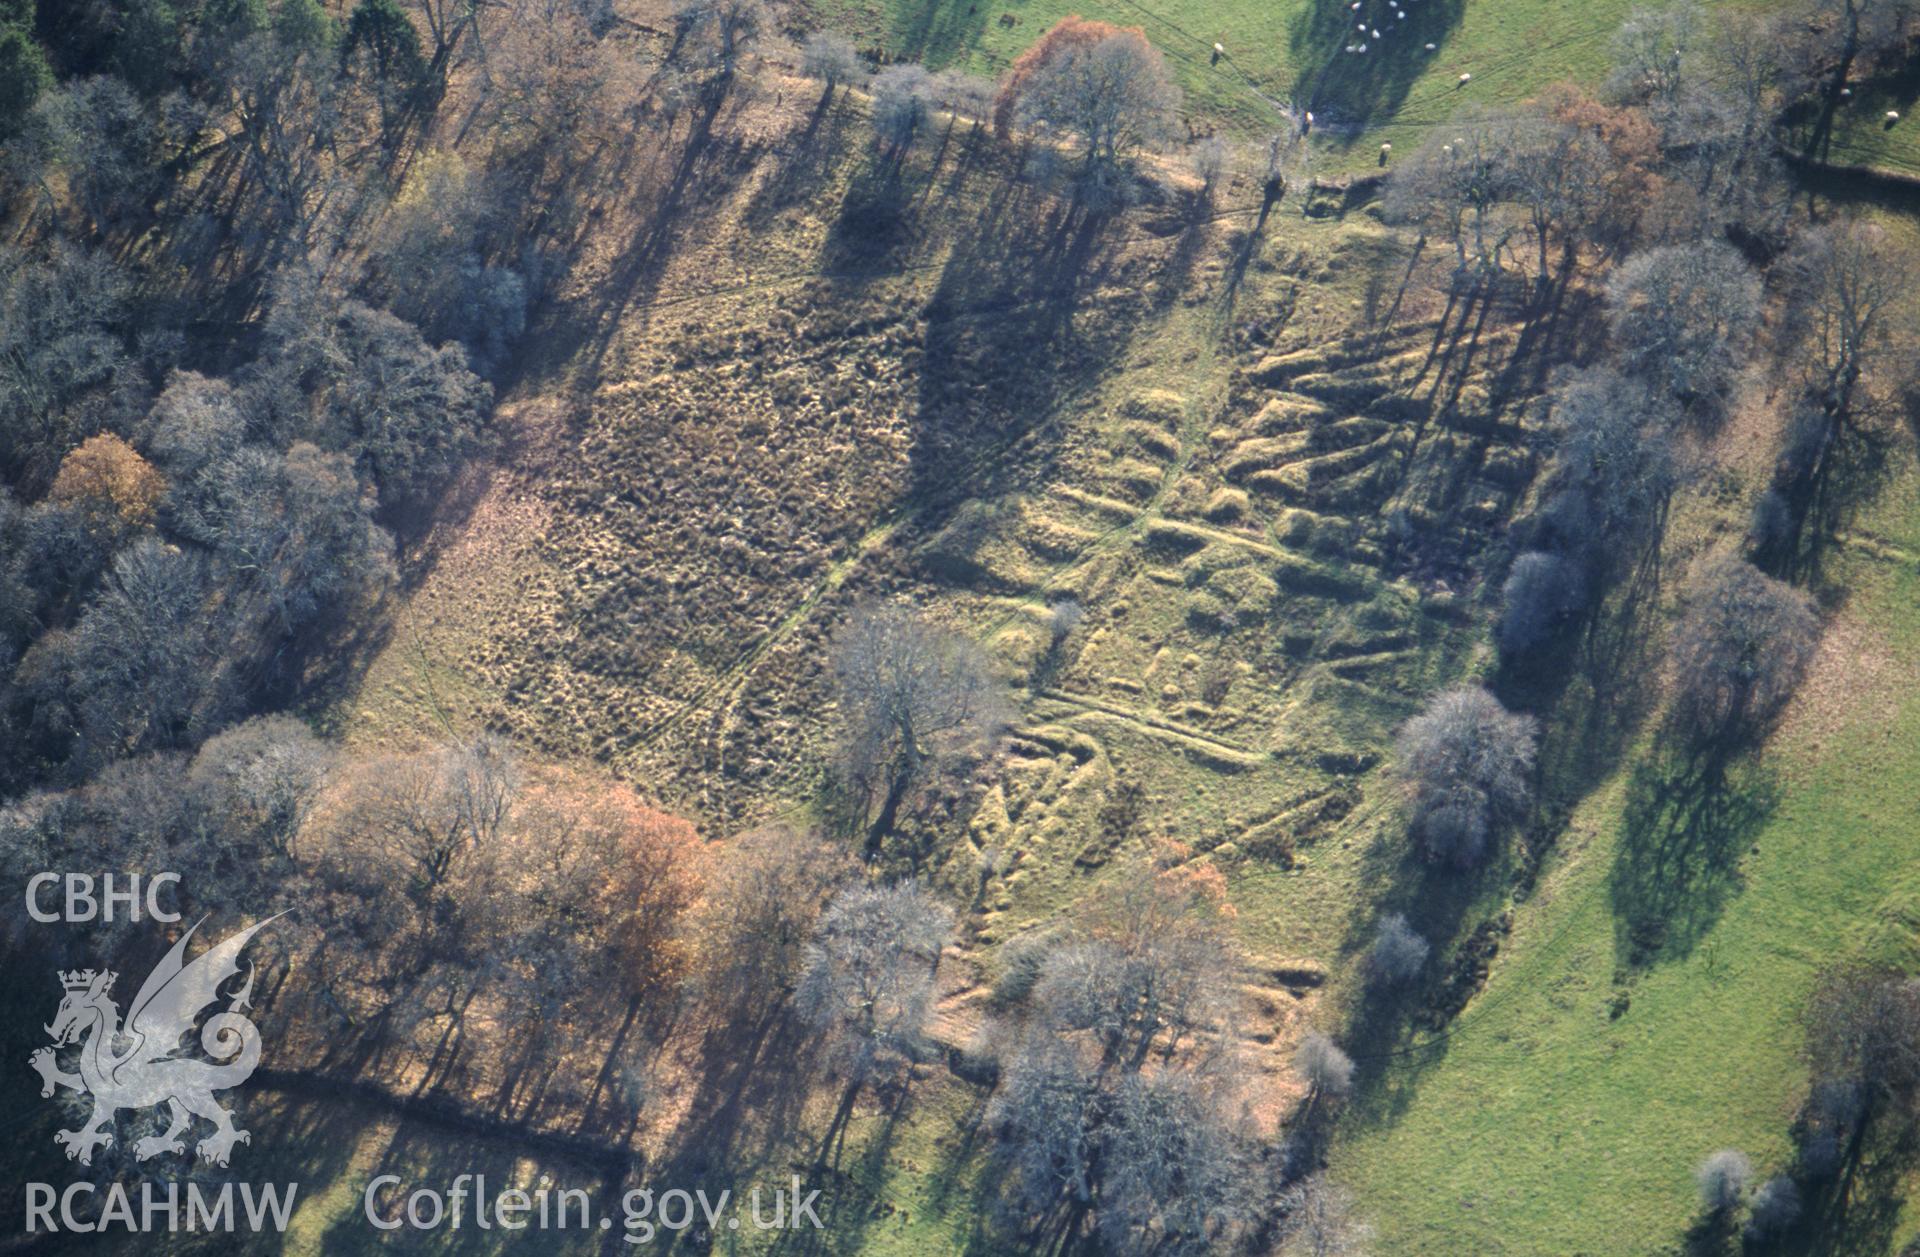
{"x": 59, "y": 351}
{"x": 1774, "y": 1208}
{"x": 105, "y": 141}
{"x": 1319, "y": 1221}
{"x": 1458, "y": 187}
{"x": 830, "y": 58}
{"x": 1175, "y": 1164}
{"x": 867, "y": 977}
{"x": 257, "y": 783}
{"x": 1722, "y": 1179}
{"x": 1464, "y": 762}
{"x": 1113, "y": 92}
{"x": 1863, "y": 1039}
{"x": 1541, "y": 591}
{"x": 902, "y": 106}
{"x": 1740, "y": 649}
{"x": 1657, "y": 54}
{"x": 910, "y": 694}
{"x": 149, "y": 662}
{"x": 761, "y": 911}
{"x": 1847, "y": 275}
{"x": 363, "y": 382}
{"x": 1398, "y": 953}
{"x": 1159, "y": 1158}
{"x": 717, "y": 35}
{"x": 1208, "y": 158}
{"x": 1327, "y": 1070}
{"x": 1615, "y": 450}
{"x": 1683, "y": 317}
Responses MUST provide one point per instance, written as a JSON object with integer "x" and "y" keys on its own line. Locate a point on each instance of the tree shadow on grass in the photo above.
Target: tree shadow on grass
{"x": 1859, "y": 1211}
{"x": 1395, "y": 1033}
{"x": 1348, "y": 90}
{"x": 937, "y": 31}
{"x": 1689, "y": 815}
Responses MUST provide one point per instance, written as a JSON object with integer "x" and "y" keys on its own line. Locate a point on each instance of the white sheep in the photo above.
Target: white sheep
{"x": 1433, "y": 47}
{"x": 1893, "y": 115}
{"x": 1465, "y": 79}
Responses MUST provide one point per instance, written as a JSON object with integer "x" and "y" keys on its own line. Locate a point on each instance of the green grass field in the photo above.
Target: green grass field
{"x": 1290, "y": 50}
{"x": 1544, "y": 1123}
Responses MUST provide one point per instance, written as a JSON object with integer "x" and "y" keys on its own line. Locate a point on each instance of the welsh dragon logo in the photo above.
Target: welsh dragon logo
{"x": 138, "y": 1066}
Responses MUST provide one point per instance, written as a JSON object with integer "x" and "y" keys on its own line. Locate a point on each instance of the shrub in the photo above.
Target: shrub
{"x": 1398, "y": 952}
{"x": 1541, "y": 591}
{"x": 1683, "y": 317}
{"x": 1722, "y": 1179}
{"x": 1740, "y": 649}
{"x": 1327, "y": 1070}
{"x": 829, "y": 58}
{"x": 1464, "y": 762}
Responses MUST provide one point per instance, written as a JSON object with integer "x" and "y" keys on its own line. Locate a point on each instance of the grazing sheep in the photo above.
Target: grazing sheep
{"x": 1465, "y": 79}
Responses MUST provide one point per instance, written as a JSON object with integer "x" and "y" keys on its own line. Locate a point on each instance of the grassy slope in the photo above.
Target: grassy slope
{"x": 1286, "y": 50}
{"x": 1543, "y": 1125}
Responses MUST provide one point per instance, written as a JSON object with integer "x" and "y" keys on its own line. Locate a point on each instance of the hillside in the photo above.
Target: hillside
{"x": 765, "y": 631}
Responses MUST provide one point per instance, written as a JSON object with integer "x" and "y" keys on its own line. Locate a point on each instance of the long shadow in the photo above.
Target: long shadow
{"x": 937, "y": 31}
{"x": 1857, "y": 1210}
{"x": 1396, "y": 1033}
{"x": 807, "y": 160}
{"x": 1348, "y": 90}
{"x": 1689, "y": 815}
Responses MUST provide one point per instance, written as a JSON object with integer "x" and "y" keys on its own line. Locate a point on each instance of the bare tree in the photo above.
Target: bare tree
{"x": 1541, "y": 591}
{"x": 760, "y": 913}
{"x": 59, "y": 350}
{"x": 830, "y": 58}
{"x": 1464, "y": 762}
{"x": 1683, "y": 317}
{"x": 1146, "y": 967}
{"x": 1175, "y": 1164}
{"x": 1774, "y": 1208}
{"x": 1459, "y": 187}
{"x": 149, "y": 663}
{"x": 1208, "y": 158}
{"x": 105, "y": 141}
{"x": 1113, "y": 91}
{"x": 1863, "y": 1041}
{"x": 1740, "y": 649}
{"x": 1616, "y": 452}
{"x": 910, "y": 694}
{"x": 1847, "y": 275}
{"x": 902, "y": 106}
{"x": 257, "y": 783}
{"x": 1398, "y": 952}
{"x": 1318, "y": 1221}
{"x": 1722, "y": 1178}
{"x": 717, "y": 35}
{"x": 1656, "y": 55}
{"x": 1122, "y": 1099}
{"x": 1328, "y": 1071}
{"x": 867, "y": 981}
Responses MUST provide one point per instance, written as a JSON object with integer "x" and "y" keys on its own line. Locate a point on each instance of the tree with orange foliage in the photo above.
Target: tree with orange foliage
{"x": 117, "y": 489}
{"x": 1102, "y": 82}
